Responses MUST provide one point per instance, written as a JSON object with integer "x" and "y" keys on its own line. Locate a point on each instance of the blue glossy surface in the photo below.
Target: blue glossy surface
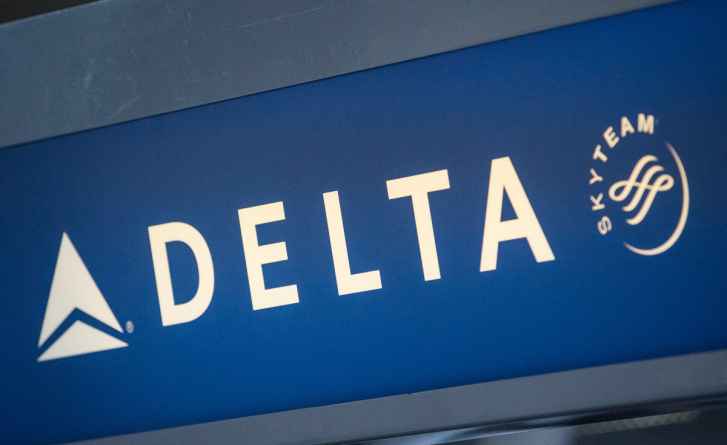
{"x": 542, "y": 99}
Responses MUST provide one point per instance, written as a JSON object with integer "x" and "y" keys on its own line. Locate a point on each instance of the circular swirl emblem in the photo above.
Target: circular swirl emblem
{"x": 638, "y": 187}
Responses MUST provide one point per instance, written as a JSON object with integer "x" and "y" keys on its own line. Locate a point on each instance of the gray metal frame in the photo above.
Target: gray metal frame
{"x": 115, "y": 60}
{"x": 467, "y": 411}
{"x": 112, "y": 61}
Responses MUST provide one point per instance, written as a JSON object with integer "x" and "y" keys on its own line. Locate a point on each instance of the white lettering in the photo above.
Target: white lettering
{"x": 604, "y": 225}
{"x": 346, "y": 282}
{"x": 626, "y": 127}
{"x": 594, "y": 177}
{"x": 418, "y": 188}
{"x": 597, "y": 202}
{"x": 159, "y": 236}
{"x": 598, "y": 154}
{"x": 257, "y": 255}
{"x": 610, "y": 137}
{"x": 646, "y": 123}
{"x": 504, "y": 179}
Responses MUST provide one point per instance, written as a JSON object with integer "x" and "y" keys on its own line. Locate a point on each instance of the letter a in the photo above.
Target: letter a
{"x": 504, "y": 179}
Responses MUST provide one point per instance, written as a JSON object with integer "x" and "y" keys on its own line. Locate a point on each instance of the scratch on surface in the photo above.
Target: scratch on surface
{"x": 88, "y": 77}
{"x": 282, "y": 17}
{"x": 124, "y": 106}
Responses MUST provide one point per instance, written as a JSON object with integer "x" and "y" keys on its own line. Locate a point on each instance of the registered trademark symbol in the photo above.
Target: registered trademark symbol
{"x": 129, "y": 327}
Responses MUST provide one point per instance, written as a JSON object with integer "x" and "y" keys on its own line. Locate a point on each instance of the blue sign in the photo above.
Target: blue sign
{"x": 539, "y": 204}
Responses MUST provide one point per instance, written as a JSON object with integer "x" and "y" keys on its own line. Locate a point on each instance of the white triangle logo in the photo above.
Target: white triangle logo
{"x": 73, "y": 288}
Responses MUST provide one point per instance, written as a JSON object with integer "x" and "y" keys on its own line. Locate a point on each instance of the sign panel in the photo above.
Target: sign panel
{"x": 540, "y": 204}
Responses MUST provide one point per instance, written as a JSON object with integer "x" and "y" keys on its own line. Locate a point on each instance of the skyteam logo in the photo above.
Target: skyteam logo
{"x": 639, "y": 187}
{"x": 73, "y": 289}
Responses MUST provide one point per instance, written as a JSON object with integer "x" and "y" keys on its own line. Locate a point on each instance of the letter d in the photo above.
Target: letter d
{"x": 159, "y": 236}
